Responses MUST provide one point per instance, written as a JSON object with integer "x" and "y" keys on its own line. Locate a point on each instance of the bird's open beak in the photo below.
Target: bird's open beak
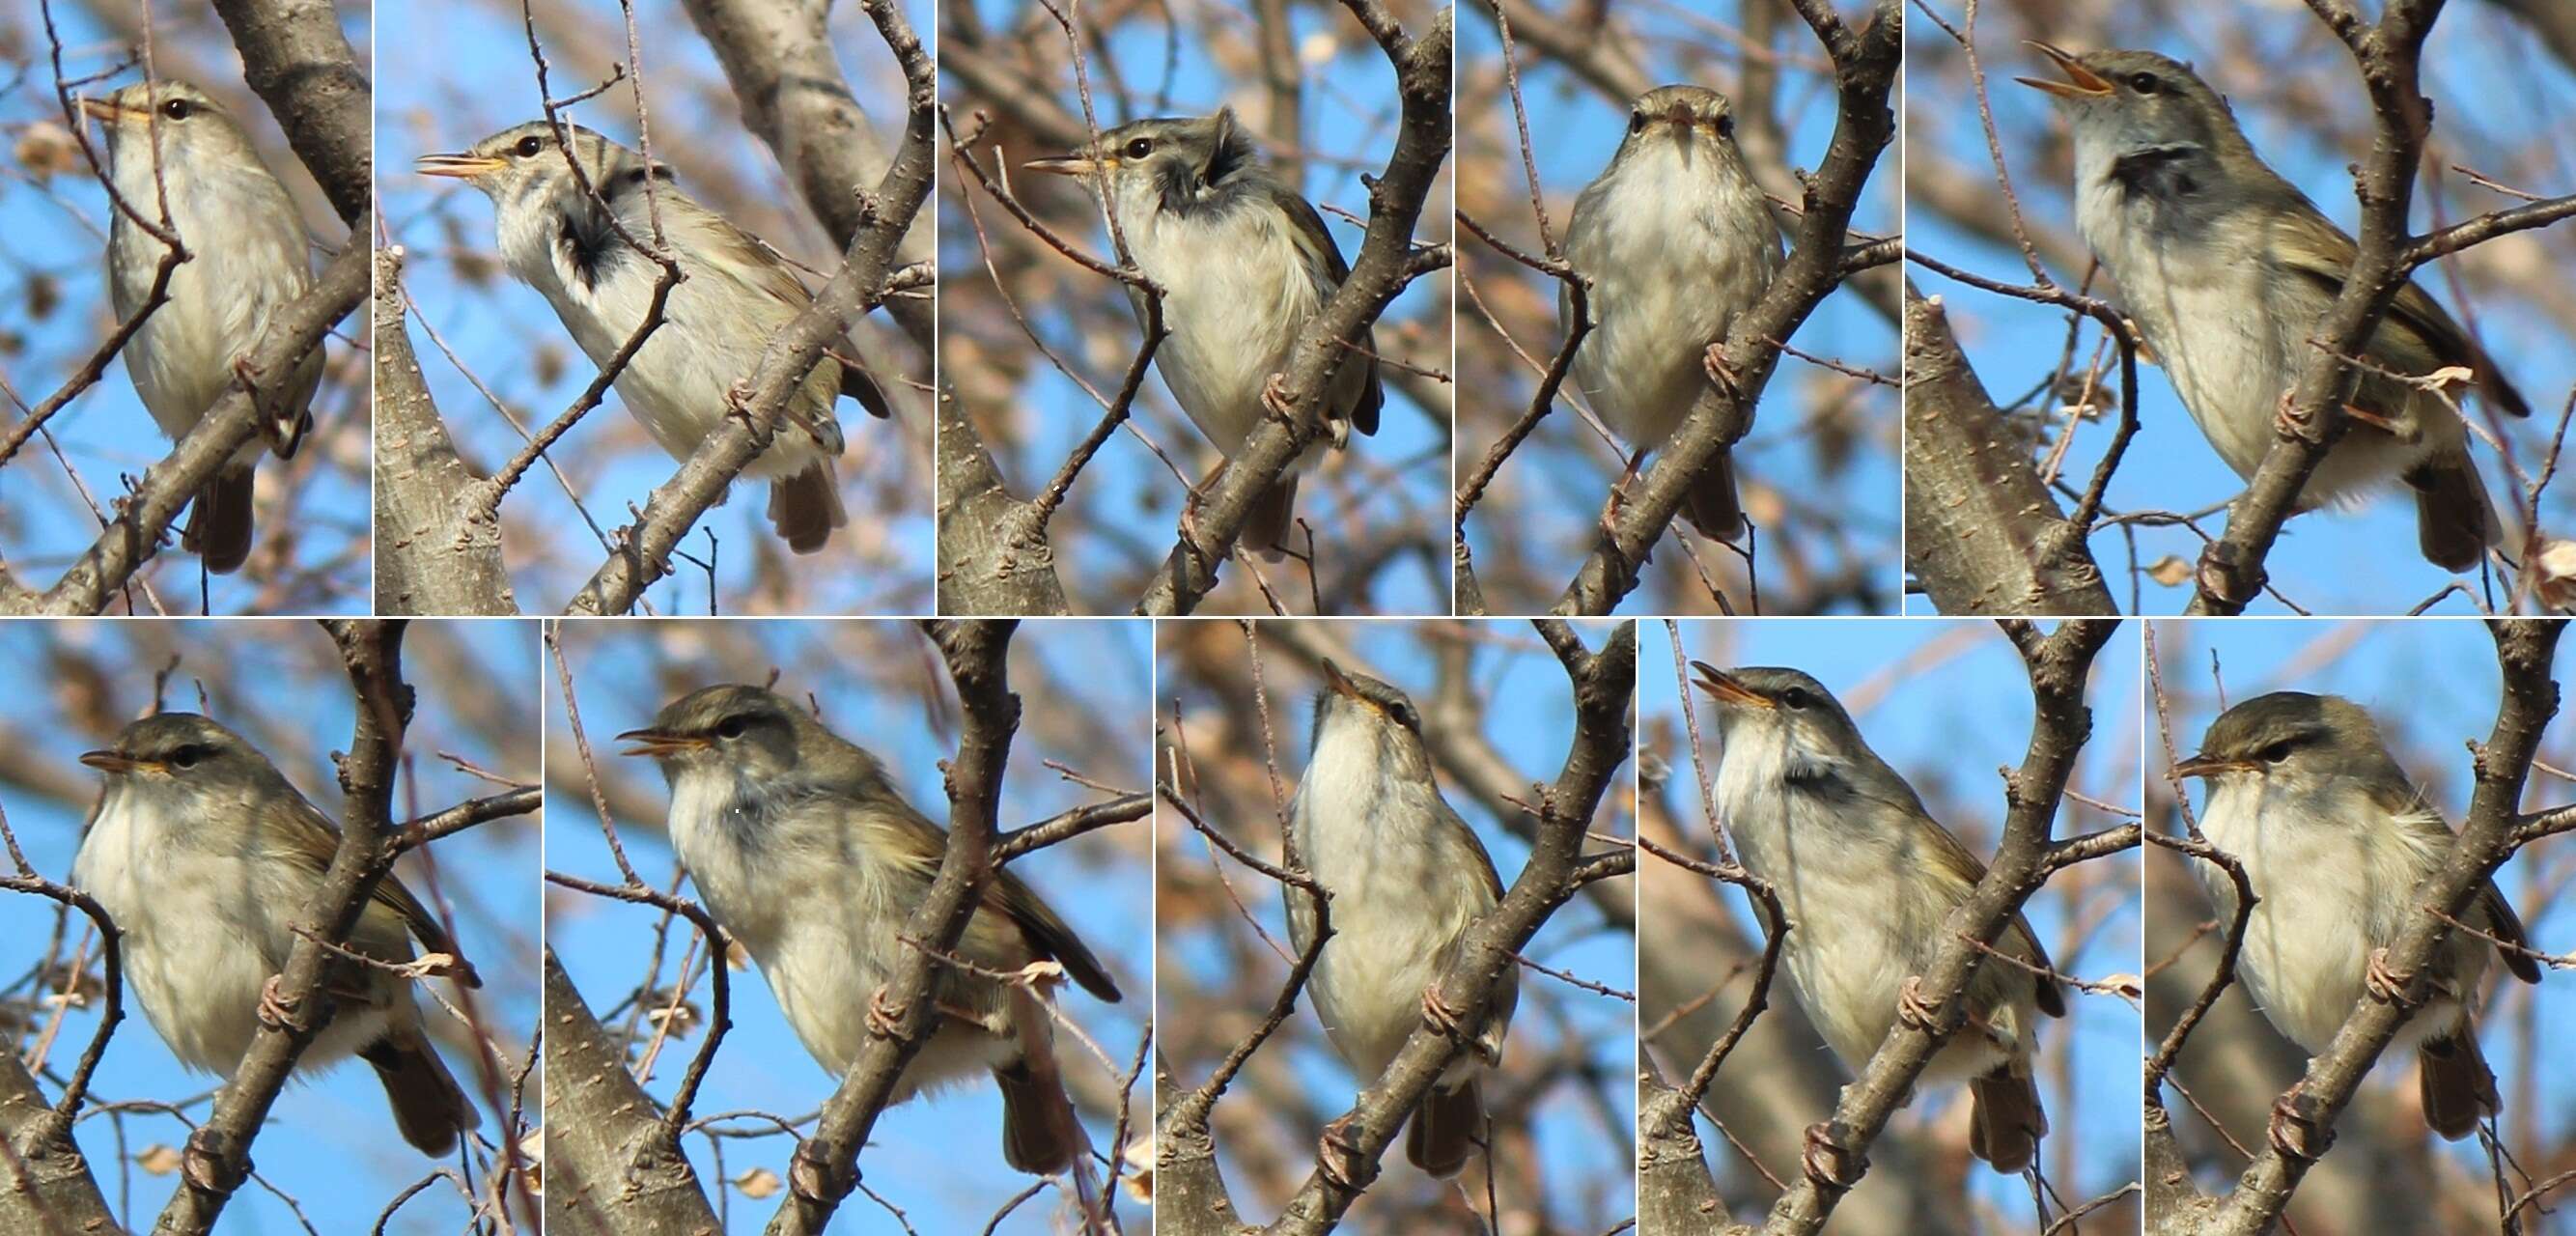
{"x": 1728, "y": 689}
{"x": 2080, "y": 83}
{"x": 455, "y": 166}
{"x": 106, "y": 112}
{"x": 2209, "y": 766}
{"x": 656, "y": 744}
{"x": 1341, "y": 685}
{"x": 1064, "y": 165}
{"x": 109, "y": 761}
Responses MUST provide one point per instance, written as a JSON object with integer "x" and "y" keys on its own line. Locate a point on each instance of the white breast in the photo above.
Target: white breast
{"x": 1236, "y": 290}
{"x": 1666, "y": 282}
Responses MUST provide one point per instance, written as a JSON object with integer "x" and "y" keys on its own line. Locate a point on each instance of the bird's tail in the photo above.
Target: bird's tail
{"x": 430, "y": 1109}
{"x": 2005, "y": 1120}
{"x": 2452, "y": 1077}
{"x": 2454, "y": 523}
{"x": 1266, "y": 527}
{"x": 219, "y": 527}
{"x": 1711, "y": 506}
{"x": 806, "y": 507}
{"x": 1445, "y": 1129}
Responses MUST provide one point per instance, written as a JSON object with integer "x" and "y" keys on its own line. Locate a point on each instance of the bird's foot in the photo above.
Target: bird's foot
{"x": 1437, "y": 1013}
{"x": 2386, "y": 985}
{"x": 2386, "y": 425}
{"x": 2296, "y": 1129}
{"x": 1913, "y": 1009}
{"x": 2286, "y": 420}
{"x": 1714, "y": 361}
{"x": 1828, "y": 1162}
{"x": 816, "y": 1175}
{"x": 1274, "y": 398}
{"x": 276, "y": 1011}
{"x": 883, "y": 1018}
{"x": 1341, "y": 1162}
{"x": 207, "y": 1163}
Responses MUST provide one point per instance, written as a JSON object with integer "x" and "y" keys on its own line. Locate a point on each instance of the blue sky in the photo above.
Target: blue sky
{"x": 1947, "y": 703}
{"x": 1532, "y": 734}
{"x": 2253, "y": 55}
{"x": 939, "y": 1157}
{"x": 54, "y": 312}
{"x": 1564, "y": 472}
{"x": 1398, "y": 478}
{"x": 329, "y": 1143}
{"x": 2433, "y": 687}
{"x": 449, "y": 75}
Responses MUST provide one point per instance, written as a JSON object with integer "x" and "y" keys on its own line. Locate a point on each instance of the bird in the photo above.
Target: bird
{"x": 577, "y": 247}
{"x": 1675, "y": 240}
{"x": 1243, "y": 262}
{"x": 1868, "y": 878}
{"x": 1407, "y": 879}
{"x": 205, "y": 855}
{"x": 808, "y": 855}
{"x": 2228, "y": 269}
{"x": 169, "y": 143}
{"x": 2334, "y": 839}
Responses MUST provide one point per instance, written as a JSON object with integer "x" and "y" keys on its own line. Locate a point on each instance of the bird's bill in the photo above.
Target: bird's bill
{"x": 1728, "y": 689}
{"x": 1341, "y": 684}
{"x": 109, "y": 761}
{"x": 655, "y": 744}
{"x": 1064, "y": 165}
{"x": 2080, "y": 83}
{"x": 2209, "y": 766}
{"x": 109, "y": 111}
{"x": 455, "y": 166}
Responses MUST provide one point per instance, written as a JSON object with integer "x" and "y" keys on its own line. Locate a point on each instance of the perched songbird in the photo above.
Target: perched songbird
{"x": 808, "y": 855}
{"x": 1867, "y": 878}
{"x": 1244, "y": 262}
{"x": 577, "y": 246}
{"x": 168, "y": 142}
{"x": 1407, "y": 878}
{"x": 1677, "y": 241}
{"x": 2334, "y": 840}
{"x": 2228, "y": 270}
{"x": 206, "y": 856}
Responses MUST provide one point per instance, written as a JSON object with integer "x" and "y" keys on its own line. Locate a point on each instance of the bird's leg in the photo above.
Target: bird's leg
{"x": 1192, "y": 499}
{"x": 1913, "y": 1009}
{"x": 207, "y": 1165}
{"x": 2295, "y": 1129}
{"x": 2386, "y": 985}
{"x": 1619, "y": 493}
{"x": 816, "y": 1175}
{"x": 1274, "y": 398}
{"x": 1714, "y": 361}
{"x": 2384, "y": 424}
{"x": 276, "y": 1011}
{"x": 1438, "y": 1014}
{"x": 883, "y": 1017}
{"x": 1341, "y": 1162}
{"x": 1827, "y": 1161}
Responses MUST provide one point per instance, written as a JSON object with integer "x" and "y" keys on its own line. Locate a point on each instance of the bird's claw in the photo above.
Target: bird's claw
{"x": 1339, "y": 1161}
{"x": 2386, "y": 985}
{"x": 1274, "y": 398}
{"x": 1913, "y": 1009}
{"x": 276, "y": 1011}
{"x": 2295, "y": 1129}
{"x": 1437, "y": 1013}
{"x": 883, "y": 1019}
{"x": 1828, "y": 1162}
{"x": 1723, "y": 374}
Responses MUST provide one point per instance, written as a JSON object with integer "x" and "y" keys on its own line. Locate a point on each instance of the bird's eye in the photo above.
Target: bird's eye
{"x": 1412, "y": 720}
{"x": 1140, "y": 147}
{"x": 528, "y": 147}
{"x": 1797, "y": 697}
{"x": 1636, "y": 122}
{"x": 187, "y": 756}
{"x": 2144, "y": 83}
{"x": 178, "y": 109}
{"x": 731, "y": 727}
{"x": 2275, "y": 753}
{"x": 1726, "y": 125}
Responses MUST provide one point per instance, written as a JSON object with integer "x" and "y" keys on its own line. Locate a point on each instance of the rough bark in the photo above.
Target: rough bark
{"x": 438, "y": 551}
{"x": 611, "y": 1166}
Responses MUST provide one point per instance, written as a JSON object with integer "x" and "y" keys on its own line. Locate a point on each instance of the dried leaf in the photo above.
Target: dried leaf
{"x": 46, "y": 149}
{"x": 158, "y": 1160}
{"x": 758, "y": 1183}
{"x": 1138, "y": 1179}
{"x": 2555, "y": 566}
{"x": 2169, "y": 570}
